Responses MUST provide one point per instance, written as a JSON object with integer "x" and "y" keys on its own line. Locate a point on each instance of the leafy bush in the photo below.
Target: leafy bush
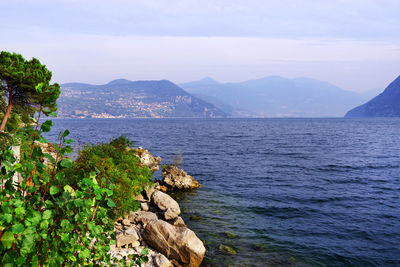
{"x": 54, "y": 212}
{"x": 115, "y": 163}
{"x": 47, "y": 222}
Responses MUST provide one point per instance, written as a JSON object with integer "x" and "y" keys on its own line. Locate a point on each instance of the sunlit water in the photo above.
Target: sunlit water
{"x": 282, "y": 192}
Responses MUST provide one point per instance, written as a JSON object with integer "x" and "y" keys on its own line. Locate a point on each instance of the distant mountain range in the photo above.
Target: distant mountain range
{"x": 275, "y": 96}
{"x": 386, "y": 104}
{"x": 272, "y": 96}
{"x": 128, "y": 99}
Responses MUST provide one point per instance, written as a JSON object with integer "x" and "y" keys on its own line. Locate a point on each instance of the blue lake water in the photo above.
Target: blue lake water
{"x": 291, "y": 192}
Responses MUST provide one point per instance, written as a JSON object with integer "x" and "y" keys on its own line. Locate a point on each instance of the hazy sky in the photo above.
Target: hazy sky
{"x": 354, "y": 44}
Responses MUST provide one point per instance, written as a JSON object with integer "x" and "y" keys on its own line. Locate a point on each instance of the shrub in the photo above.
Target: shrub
{"x": 47, "y": 222}
{"x": 115, "y": 163}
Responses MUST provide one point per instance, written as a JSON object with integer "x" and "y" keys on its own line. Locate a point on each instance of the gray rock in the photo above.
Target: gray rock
{"x": 142, "y": 217}
{"x": 155, "y": 258}
{"x": 170, "y": 214}
{"x": 132, "y": 231}
{"x": 147, "y": 159}
{"x": 179, "y": 243}
{"x": 126, "y": 240}
{"x": 159, "y": 260}
{"x": 164, "y": 202}
{"x": 148, "y": 191}
{"x": 177, "y": 179}
{"x": 140, "y": 198}
{"x": 178, "y": 221}
{"x": 144, "y": 206}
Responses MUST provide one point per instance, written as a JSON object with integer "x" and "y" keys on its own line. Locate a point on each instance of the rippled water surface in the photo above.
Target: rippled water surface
{"x": 282, "y": 192}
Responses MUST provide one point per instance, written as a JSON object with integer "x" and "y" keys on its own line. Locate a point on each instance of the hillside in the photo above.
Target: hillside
{"x": 275, "y": 96}
{"x": 132, "y": 99}
{"x": 386, "y": 104}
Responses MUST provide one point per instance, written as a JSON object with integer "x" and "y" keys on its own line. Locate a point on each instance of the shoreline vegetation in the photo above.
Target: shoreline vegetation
{"x": 101, "y": 209}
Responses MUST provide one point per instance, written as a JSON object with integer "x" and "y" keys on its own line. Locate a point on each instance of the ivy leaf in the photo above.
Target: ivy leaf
{"x": 109, "y": 192}
{"x": 35, "y": 261}
{"x": 28, "y": 242}
{"x": 84, "y": 254}
{"x": 54, "y": 190}
{"x": 20, "y": 261}
{"x": 35, "y": 218}
{"x": 69, "y": 141}
{"x": 65, "y": 133}
{"x": 60, "y": 176}
{"x": 43, "y": 140}
{"x": 39, "y": 87}
{"x": 111, "y": 203}
{"x": 78, "y": 202}
{"x": 68, "y": 149}
{"x": 18, "y": 167}
{"x": 7, "y": 217}
{"x": 145, "y": 251}
{"x": 97, "y": 193}
{"x": 44, "y": 224}
{"x": 46, "y": 126}
{"x": 50, "y": 158}
{"x": 66, "y": 226}
{"x": 17, "y": 202}
{"x": 46, "y": 214}
{"x": 7, "y": 239}
{"x": 49, "y": 204}
{"x": 20, "y": 211}
{"x": 18, "y": 228}
{"x": 66, "y": 163}
{"x": 65, "y": 237}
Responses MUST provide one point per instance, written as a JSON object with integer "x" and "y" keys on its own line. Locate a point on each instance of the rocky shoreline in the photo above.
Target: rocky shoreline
{"x": 157, "y": 225}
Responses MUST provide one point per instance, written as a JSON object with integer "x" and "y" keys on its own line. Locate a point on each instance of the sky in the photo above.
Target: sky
{"x": 354, "y": 44}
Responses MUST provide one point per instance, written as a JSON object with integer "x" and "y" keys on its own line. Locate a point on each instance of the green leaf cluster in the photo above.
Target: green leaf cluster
{"x": 54, "y": 211}
{"x": 45, "y": 221}
{"x": 116, "y": 166}
{"x": 59, "y": 213}
{"x": 31, "y": 91}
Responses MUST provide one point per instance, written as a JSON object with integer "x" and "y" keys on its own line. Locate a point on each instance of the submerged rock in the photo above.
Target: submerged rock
{"x": 227, "y": 249}
{"x": 179, "y": 243}
{"x": 177, "y": 179}
{"x": 231, "y": 235}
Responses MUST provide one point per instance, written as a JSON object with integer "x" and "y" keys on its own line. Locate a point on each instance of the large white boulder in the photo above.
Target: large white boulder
{"x": 178, "y": 243}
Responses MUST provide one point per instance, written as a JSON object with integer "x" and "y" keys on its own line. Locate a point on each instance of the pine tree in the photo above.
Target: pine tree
{"x": 25, "y": 84}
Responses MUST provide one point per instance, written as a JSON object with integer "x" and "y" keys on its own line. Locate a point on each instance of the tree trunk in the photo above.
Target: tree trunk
{"x": 8, "y": 112}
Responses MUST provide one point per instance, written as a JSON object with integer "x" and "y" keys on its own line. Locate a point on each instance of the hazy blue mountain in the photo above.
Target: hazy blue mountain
{"x": 369, "y": 94}
{"x": 275, "y": 96}
{"x": 386, "y": 104}
{"x": 130, "y": 99}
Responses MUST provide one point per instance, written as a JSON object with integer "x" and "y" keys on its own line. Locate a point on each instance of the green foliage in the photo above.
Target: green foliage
{"x": 25, "y": 87}
{"x": 115, "y": 164}
{"x": 53, "y": 212}
{"x": 47, "y": 222}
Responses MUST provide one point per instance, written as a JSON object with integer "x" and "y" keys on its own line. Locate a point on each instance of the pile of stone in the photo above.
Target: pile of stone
{"x": 177, "y": 179}
{"x": 158, "y": 226}
{"x": 147, "y": 159}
